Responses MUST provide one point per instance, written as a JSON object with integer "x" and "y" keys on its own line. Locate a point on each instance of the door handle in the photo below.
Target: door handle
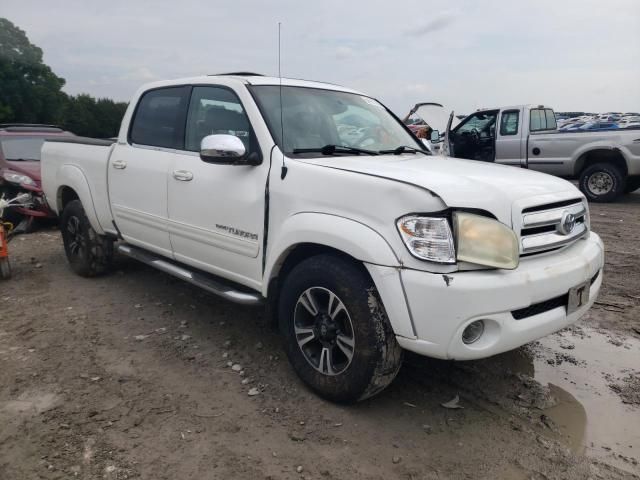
{"x": 119, "y": 164}
{"x": 183, "y": 175}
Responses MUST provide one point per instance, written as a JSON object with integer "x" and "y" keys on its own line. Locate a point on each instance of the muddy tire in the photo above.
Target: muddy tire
{"x": 88, "y": 253}
{"x": 5, "y": 269}
{"x": 338, "y": 337}
{"x": 633, "y": 184}
{"x": 602, "y": 182}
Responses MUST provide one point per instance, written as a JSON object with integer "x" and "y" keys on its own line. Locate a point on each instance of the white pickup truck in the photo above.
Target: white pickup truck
{"x": 317, "y": 200}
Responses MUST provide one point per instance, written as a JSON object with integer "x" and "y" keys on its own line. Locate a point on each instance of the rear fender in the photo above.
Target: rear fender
{"x": 72, "y": 177}
{"x": 581, "y": 154}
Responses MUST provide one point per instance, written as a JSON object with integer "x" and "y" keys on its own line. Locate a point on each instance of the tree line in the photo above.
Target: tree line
{"x": 30, "y": 92}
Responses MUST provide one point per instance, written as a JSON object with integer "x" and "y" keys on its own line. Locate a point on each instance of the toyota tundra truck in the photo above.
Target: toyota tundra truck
{"x": 317, "y": 202}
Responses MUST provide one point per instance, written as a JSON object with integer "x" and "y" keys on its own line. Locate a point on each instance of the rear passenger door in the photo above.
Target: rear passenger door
{"x": 217, "y": 211}
{"x": 138, "y": 169}
{"x": 509, "y": 138}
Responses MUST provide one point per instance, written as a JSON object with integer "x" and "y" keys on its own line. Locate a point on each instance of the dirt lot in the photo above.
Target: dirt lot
{"x": 126, "y": 376}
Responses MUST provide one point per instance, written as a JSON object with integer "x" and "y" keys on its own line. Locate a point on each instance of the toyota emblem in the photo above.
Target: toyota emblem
{"x": 567, "y": 222}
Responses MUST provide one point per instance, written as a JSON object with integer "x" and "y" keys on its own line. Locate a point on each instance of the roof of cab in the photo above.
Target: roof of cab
{"x": 528, "y": 106}
{"x": 249, "y": 78}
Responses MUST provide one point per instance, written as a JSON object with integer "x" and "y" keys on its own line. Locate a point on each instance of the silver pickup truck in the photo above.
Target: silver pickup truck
{"x": 606, "y": 163}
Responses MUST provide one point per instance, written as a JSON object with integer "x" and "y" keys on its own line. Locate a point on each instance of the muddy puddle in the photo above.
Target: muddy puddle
{"x": 579, "y": 386}
{"x": 584, "y": 369}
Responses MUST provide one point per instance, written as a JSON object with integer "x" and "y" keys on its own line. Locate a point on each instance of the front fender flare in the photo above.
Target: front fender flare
{"x": 72, "y": 177}
{"x": 349, "y": 236}
{"x": 355, "y": 239}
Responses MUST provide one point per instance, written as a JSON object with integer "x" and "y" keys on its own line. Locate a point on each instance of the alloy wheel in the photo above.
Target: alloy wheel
{"x": 76, "y": 239}
{"x": 324, "y": 331}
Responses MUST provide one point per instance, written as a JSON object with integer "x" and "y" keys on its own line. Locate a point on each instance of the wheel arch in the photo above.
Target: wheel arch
{"x": 73, "y": 185}
{"x": 307, "y": 234}
{"x": 316, "y": 234}
{"x": 613, "y": 156}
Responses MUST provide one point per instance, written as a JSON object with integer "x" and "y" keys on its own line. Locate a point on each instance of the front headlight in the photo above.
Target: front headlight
{"x": 428, "y": 238}
{"x": 19, "y": 178}
{"x": 485, "y": 241}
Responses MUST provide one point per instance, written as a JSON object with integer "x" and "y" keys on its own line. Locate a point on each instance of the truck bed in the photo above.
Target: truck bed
{"x": 559, "y": 151}
{"x": 85, "y": 161}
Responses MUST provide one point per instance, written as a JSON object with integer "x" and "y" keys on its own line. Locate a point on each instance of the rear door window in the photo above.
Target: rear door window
{"x": 509, "y": 122}
{"x": 159, "y": 118}
{"x": 542, "y": 119}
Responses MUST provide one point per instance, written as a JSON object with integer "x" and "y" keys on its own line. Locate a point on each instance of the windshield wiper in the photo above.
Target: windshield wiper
{"x": 333, "y": 149}
{"x": 404, "y": 149}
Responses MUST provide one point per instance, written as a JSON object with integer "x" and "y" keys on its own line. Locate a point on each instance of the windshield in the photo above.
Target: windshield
{"x": 314, "y": 118}
{"x": 25, "y": 148}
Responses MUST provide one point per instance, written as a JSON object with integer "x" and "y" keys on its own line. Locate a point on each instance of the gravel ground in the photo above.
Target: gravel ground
{"x": 127, "y": 376}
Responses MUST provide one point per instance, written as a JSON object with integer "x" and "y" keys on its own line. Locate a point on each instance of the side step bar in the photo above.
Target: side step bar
{"x": 202, "y": 280}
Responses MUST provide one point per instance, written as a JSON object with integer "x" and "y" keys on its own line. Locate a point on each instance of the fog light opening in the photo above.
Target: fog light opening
{"x": 473, "y": 332}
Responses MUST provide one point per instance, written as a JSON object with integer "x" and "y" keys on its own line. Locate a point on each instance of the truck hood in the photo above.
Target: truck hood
{"x": 463, "y": 183}
{"x": 436, "y": 116}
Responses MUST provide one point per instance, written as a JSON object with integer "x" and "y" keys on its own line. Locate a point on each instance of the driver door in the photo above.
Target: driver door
{"x": 216, "y": 211}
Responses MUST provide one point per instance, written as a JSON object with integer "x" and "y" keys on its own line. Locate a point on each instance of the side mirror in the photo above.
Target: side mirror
{"x": 435, "y": 136}
{"x": 222, "y": 148}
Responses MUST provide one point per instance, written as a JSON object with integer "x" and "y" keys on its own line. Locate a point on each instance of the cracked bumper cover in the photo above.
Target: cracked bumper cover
{"x": 439, "y": 307}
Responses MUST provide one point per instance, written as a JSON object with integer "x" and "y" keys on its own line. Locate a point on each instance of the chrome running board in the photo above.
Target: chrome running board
{"x": 202, "y": 280}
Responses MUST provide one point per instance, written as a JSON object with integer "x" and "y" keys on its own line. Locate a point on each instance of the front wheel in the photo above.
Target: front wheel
{"x": 602, "y": 182}
{"x": 89, "y": 254}
{"x": 338, "y": 337}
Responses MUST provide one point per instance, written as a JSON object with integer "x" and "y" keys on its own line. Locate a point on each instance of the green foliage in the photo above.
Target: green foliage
{"x": 86, "y": 116}
{"x": 31, "y": 93}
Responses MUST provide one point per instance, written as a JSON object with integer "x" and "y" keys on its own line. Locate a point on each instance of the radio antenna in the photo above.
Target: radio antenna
{"x": 283, "y": 171}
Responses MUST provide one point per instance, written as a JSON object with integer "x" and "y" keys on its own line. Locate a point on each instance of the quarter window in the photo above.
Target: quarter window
{"x": 159, "y": 118}
{"x": 509, "y": 122}
{"x": 216, "y": 110}
{"x": 542, "y": 119}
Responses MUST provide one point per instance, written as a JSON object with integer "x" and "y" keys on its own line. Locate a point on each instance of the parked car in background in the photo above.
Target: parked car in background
{"x": 316, "y": 199}
{"x": 605, "y": 161}
{"x": 20, "y": 146}
{"x": 598, "y": 125}
{"x": 629, "y": 121}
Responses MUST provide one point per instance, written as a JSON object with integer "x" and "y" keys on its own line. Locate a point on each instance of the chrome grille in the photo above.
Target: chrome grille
{"x": 550, "y": 228}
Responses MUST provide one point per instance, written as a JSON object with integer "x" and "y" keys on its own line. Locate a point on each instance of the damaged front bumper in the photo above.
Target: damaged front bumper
{"x": 516, "y": 306}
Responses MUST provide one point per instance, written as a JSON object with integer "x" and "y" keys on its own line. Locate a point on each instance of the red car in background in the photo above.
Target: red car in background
{"x": 20, "y": 146}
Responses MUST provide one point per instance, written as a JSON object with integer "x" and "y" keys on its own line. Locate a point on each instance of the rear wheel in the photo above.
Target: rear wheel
{"x": 602, "y": 182}
{"x": 89, "y": 254}
{"x": 338, "y": 336}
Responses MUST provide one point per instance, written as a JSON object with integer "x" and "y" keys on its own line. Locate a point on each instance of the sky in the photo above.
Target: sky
{"x": 573, "y": 55}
